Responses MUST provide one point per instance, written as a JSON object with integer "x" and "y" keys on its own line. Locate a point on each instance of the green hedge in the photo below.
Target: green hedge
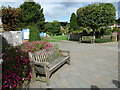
{"x": 102, "y": 40}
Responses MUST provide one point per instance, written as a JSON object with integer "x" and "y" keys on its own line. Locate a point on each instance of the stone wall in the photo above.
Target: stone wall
{"x": 13, "y": 37}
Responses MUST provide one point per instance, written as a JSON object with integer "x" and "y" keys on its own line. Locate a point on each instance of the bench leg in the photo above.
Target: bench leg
{"x": 47, "y": 76}
{"x": 68, "y": 62}
{"x": 80, "y": 40}
{"x": 33, "y": 78}
{"x": 92, "y": 41}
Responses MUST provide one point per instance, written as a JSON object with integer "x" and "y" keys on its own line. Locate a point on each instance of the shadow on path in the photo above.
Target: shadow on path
{"x": 93, "y": 87}
{"x": 117, "y": 83}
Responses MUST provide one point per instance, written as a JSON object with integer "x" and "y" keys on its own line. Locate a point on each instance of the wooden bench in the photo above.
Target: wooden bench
{"x": 87, "y": 38}
{"x": 47, "y": 61}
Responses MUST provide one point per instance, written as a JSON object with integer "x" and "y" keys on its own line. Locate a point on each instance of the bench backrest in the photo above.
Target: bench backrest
{"x": 45, "y": 55}
{"x": 87, "y": 37}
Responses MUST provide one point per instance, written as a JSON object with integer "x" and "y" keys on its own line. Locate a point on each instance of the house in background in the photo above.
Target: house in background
{"x": 115, "y": 25}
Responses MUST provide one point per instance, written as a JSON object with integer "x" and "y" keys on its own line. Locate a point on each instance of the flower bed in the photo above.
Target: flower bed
{"x": 16, "y": 65}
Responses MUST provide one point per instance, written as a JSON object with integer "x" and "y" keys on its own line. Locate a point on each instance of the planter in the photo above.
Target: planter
{"x": 118, "y": 35}
{"x": 114, "y": 37}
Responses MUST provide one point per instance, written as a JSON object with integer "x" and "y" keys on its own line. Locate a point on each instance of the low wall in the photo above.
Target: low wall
{"x": 13, "y": 37}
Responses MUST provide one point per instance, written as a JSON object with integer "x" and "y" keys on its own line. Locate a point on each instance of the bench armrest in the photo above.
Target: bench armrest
{"x": 65, "y": 53}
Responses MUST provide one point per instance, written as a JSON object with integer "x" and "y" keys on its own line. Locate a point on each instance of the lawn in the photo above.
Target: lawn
{"x": 51, "y": 40}
{"x": 60, "y": 37}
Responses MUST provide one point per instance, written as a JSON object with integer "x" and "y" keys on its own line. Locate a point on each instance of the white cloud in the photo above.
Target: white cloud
{"x": 117, "y": 15}
{"x": 58, "y": 9}
{"x": 55, "y": 11}
{"x": 77, "y": 0}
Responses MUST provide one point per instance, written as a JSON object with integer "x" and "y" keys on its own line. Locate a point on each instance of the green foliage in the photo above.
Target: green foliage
{"x": 101, "y": 28}
{"x": 73, "y": 22}
{"x": 107, "y": 32}
{"x": 48, "y": 28}
{"x": 10, "y": 18}
{"x": 51, "y": 40}
{"x": 82, "y": 30}
{"x": 96, "y": 15}
{"x": 32, "y": 13}
{"x": 63, "y": 23}
{"x": 102, "y": 40}
{"x": 34, "y": 33}
{"x": 115, "y": 29}
{"x": 67, "y": 28}
{"x": 53, "y": 28}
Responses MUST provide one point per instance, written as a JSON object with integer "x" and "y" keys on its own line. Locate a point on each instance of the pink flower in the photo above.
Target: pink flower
{"x": 22, "y": 78}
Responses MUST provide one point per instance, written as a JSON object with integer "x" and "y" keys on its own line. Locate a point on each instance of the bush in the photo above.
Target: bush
{"x": 107, "y": 32}
{"x": 16, "y": 64}
{"x": 115, "y": 29}
{"x": 34, "y": 33}
{"x": 102, "y": 40}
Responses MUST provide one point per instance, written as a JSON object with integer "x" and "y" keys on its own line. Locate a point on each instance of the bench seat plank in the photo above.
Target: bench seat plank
{"x": 87, "y": 38}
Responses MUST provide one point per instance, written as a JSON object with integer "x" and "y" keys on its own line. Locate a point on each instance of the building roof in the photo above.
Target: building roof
{"x": 115, "y": 25}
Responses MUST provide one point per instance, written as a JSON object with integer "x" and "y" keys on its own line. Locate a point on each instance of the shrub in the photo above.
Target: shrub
{"x": 16, "y": 63}
{"x": 34, "y": 33}
{"x": 102, "y": 40}
{"x": 107, "y": 32}
{"x": 35, "y": 46}
{"x": 10, "y": 18}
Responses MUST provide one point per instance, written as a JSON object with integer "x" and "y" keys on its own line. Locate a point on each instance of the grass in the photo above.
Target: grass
{"x": 49, "y": 40}
{"x": 52, "y": 40}
{"x": 60, "y": 37}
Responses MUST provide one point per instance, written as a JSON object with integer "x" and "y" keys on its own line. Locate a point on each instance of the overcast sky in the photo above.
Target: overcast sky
{"x": 60, "y": 10}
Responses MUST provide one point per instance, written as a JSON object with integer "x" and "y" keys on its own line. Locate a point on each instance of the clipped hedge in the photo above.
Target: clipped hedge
{"x": 16, "y": 64}
{"x": 102, "y": 40}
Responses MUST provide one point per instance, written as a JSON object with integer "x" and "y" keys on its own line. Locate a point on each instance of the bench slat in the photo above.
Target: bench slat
{"x": 50, "y": 59}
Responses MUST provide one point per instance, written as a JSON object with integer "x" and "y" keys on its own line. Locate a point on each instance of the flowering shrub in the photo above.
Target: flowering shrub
{"x": 16, "y": 64}
{"x": 35, "y": 46}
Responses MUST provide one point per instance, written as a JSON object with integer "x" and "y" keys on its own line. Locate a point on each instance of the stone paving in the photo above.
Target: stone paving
{"x": 91, "y": 64}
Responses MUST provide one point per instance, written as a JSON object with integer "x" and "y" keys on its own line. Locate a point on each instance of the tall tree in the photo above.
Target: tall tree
{"x": 96, "y": 15}
{"x": 53, "y": 28}
{"x": 32, "y": 13}
{"x": 10, "y": 18}
{"x": 34, "y": 33}
{"x": 73, "y": 22}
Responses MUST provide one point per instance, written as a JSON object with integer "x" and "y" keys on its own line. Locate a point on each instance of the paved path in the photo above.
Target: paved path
{"x": 91, "y": 64}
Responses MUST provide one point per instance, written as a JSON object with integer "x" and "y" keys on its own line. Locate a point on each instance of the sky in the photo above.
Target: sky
{"x": 61, "y": 10}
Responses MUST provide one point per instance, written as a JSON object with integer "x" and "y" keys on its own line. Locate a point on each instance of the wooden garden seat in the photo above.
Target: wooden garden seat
{"x": 87, "y": 38}
{"x": 47, "y": 61}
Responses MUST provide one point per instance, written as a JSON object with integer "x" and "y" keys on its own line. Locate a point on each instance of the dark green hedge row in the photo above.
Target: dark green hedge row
{"x": 102, "y": 40}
